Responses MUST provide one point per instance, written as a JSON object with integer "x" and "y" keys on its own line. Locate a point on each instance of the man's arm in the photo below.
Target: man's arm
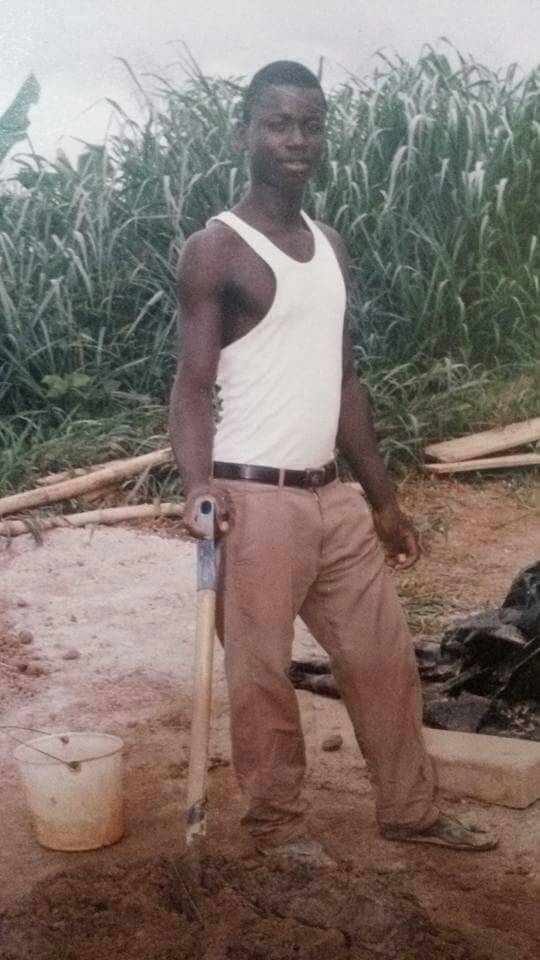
{"x": 357, "y": 442}
{"x": 191, "y": 421}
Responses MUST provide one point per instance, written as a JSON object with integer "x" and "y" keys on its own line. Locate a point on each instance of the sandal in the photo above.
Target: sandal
{"x": 447, "y": 831}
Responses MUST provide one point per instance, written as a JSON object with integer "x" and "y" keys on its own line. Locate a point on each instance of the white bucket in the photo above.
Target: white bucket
{"x": 74, "y": 792}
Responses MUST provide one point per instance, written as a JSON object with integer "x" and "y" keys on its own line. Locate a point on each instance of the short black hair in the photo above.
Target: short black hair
{"x": 281, "y": 73}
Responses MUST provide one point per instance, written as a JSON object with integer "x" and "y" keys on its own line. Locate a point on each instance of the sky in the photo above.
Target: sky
{"x": 73, "y": 46}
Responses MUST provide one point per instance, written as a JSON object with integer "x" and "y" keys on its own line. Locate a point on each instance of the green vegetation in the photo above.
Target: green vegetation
{"x": 14, "y": 122}
{"x": 432, "y": 176}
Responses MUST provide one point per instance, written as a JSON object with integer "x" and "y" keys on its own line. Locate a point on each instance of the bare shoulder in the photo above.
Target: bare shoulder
{"x": 338, "y": 244}
{"x": 208, "y": 255}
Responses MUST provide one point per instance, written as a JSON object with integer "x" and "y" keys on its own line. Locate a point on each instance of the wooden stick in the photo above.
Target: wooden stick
{"x": 196, "y": 801}
{"x": 76, "y": 472}
{"x": 14, "y": 528}
{"x": 487, "y": 463}
{"x": 68, "y": 489}
{"x": 200, "y": 722}
{"x": 490, "y": 441}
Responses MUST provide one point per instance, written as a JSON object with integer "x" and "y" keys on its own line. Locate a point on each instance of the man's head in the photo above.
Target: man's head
{"x": 281, "y": 73}
{"x": 283, "y": 121}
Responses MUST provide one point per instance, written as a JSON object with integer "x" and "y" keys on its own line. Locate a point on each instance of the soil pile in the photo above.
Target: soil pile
{"x": 248, "y": 910}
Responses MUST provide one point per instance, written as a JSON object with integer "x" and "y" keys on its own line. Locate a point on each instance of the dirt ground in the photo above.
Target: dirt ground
{"x": 98, "y": 634}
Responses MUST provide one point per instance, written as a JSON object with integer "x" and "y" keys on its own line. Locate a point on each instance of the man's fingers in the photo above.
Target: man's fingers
{"x": 409, "y": 552}
{"x": 221, "y": 526}
{"x": 194, "y": 530}
{"x": 223, "y": 513}
{"x": 406, "y": 562}
{"x": 413, "y": 545}
{"x": 402, "y": 554}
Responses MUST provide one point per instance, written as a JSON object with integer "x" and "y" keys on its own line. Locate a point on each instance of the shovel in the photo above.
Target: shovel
{"x": 207, "y": 574}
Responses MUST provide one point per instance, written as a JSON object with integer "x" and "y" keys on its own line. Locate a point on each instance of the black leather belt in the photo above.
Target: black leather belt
{"x": 278, "y": 478}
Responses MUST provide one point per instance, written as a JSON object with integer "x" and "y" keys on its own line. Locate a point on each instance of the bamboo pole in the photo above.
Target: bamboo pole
{"x": 51, "y": 478}
{"x": 486, "y": 463}
{"x": 68, "y": 489}
{"x": 141, "y": 511}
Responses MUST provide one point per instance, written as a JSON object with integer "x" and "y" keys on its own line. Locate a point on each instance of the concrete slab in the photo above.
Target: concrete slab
{"x": 499, "y": 770}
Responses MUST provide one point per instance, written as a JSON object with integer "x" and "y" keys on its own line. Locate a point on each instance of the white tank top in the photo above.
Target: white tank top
{"x": 280, "y": 384}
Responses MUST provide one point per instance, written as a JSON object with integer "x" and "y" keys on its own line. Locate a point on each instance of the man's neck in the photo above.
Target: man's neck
{"x": 272, "y": 208}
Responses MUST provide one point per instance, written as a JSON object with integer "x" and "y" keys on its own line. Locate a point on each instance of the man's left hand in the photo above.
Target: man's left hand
{"x": 398, "y": 537}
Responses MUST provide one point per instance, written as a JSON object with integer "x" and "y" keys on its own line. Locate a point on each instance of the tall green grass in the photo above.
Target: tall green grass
{"x": 433, "y": 177}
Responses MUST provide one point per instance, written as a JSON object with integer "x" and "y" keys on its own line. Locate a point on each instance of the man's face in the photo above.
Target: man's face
{"x": 285, "y": 135}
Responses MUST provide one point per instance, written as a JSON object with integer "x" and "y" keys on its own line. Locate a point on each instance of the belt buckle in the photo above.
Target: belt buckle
{"x": 315, "y": 478}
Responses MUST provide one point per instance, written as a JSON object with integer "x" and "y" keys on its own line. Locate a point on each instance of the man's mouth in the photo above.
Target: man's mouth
{"x": 299, "y": 166}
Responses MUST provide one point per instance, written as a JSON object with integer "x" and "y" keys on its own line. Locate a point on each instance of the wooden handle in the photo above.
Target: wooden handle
{"x": 200, "y": 718}
{"x": 207, "y": 570}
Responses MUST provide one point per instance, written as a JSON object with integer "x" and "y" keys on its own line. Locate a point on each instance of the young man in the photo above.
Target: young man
{"x": 262, "y": 297}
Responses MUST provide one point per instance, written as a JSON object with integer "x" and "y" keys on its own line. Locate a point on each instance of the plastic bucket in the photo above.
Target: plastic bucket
{"x": 73, "y": 788}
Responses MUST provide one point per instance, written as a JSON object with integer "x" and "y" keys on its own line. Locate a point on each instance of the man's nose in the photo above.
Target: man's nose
{"x": 296, "y": 137}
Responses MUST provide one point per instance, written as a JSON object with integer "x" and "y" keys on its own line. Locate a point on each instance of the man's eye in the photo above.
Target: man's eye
{"x": 315, "y": 127}
{"x": 277, "y": 125}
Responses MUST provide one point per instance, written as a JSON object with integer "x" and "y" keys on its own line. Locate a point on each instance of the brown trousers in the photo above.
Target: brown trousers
{"x": 314, "y": 553}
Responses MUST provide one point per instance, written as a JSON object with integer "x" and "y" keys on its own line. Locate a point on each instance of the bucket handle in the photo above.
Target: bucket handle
{"x": 72, "y": 764}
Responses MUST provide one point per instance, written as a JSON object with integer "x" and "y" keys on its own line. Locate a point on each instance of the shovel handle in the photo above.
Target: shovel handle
{"x": 207, "y": 572}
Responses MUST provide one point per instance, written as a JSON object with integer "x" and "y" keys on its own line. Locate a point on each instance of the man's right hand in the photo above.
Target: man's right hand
{"x": 223, "y": 510}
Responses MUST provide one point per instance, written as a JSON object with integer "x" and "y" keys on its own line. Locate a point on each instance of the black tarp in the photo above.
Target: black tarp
{"x": 486, "y": 665}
